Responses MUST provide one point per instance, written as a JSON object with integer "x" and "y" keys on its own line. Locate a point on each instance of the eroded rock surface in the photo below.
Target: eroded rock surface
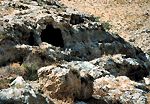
{"x": 65, "y": 83}
{"x": 69, "y": 55}
{"x": 120, "y": 89}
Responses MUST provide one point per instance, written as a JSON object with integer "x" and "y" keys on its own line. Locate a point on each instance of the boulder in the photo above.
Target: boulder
{"x": 119, "y": 64}
{"x": 119, "y": 90}
{"x": 21, "y": 92}
{"x": 60, "y": 83}
{"x": 65, "y": 83}
{"x": 88, "y": 67}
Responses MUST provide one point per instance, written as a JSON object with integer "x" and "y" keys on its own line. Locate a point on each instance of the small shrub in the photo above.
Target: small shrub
{"x": 31, "y": 71}
{"x": 97, "y": 19}
{"x": 2, "y": 36}
{"x": 106, "y": 26}
{"x": 9, "y": 73}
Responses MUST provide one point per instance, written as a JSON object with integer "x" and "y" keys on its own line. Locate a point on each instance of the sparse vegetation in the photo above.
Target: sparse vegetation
{"x": 9, "y": 73}
{"x": 4, "y": 83}
{"x": 2, "y": 36}
{"x": 107, "y": 26}
{"x": 31, "y": 71}
{"x": 97, "y": 19}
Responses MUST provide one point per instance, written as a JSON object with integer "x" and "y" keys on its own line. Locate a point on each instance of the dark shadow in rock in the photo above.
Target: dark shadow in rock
{"x": 52, "y": 36}
{"x": 137, "y": 74}
{"x": 8, "y": 53}
{"x": 31, "y": 40}
{"x": 76, "y": 19}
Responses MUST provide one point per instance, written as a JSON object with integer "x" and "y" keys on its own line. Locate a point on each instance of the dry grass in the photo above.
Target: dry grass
{"x": 148, "y": 98}
{"x": 9, "y": 73}
{"x": 4, "y": 83}
{"x": 6, "y": 11}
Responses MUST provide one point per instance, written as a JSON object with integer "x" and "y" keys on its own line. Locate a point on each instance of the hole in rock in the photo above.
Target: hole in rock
{"x": 52, "y": 36}
{"x": 76, "y": 19}
{"x": 31, "y": 40}
{"x": 137, "y": 74}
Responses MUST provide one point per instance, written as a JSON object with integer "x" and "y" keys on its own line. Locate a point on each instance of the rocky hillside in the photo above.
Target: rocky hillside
{"x": 54, "y": 54}
{"x": 129, "y": 18}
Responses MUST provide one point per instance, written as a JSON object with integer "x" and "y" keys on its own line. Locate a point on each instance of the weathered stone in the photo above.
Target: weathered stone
{"x": 88, "y": 67}
{"x": 39, "y": 33}
{"x": 60, "y": 83}
{"x": 65, "y": 83}
{"x": 147, "y": 81}
{"x": 120, "y": 89}
{"x": 131, "y": 67}
{"x": 21, "y": 93}
{"x": 19, "y": 81}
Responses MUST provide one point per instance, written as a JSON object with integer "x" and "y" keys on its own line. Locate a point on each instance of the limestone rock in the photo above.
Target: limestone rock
{"x": 60, "y": 83}
{"x": 87, "y": 67}
{"x": 147, "y": 80}
{"x": 65, "y": 84}
{"x": 76, "y": 57}
{"x": 131, "y": 67}
{"x": 19, "y": 81}
{"x": 21, "y": 93}
{"x": 120, "y": 89}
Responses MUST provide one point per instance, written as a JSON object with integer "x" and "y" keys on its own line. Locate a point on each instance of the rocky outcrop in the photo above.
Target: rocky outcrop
{"x": 62, "y": 27}
{"x": 120, "y": 89}
{"x": 70, "y": 55}
{"x": 122, "y": 65}
{"x": 75, "y": 80}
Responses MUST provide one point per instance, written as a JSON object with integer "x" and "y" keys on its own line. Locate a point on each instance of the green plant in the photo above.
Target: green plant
{"x": 2, "y": 36}
{"x": 107, "y": 26}
{"x": 97, "y": 19}
{"x": 31, "y": 71}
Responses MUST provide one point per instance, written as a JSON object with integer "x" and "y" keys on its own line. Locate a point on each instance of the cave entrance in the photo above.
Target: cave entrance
{"x": 31, "y": 40}
{"x": 52, "y": 36}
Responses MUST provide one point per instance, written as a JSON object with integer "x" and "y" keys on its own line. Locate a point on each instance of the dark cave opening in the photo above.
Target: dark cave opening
{"x": 31, "y": 40}
{"x": 76, "y": 19}
{"x": 137, "y": 74}
{"x": 52, "y": 36}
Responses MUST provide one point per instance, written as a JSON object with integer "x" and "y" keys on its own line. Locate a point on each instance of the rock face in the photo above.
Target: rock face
{"x": 70, "y": 55}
